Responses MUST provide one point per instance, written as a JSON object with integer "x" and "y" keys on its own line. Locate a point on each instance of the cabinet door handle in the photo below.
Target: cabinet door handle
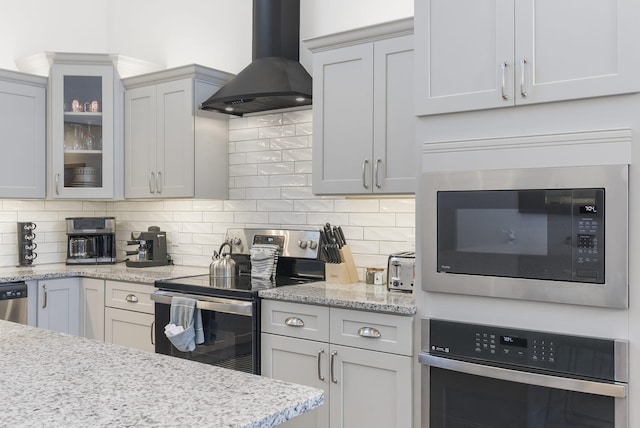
{"x": 503, "y": 86}
{"x": 159, "y": 182}
{"x": 523, "y": 91}
{"x": 364, "y": 173}
{"x": 370, "y": 332}
{"x": 320, "y": 377}
{"x": 44, "y": 296}
{"x": 294, "y": 322}
{"x": 375, "y": 173}
{"x": 333, "y": 357}
{"x": 153, "y": 324}
{"x": 58, "y": 184}
{"x": 131, "y": 298}
{"x": 152, "y": 182}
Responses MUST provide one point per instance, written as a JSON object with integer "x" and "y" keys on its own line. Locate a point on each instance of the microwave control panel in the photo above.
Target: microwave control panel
{"x": 588, "y": 215}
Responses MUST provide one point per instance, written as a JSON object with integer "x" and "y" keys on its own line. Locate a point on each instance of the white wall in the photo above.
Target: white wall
{"x": 214, "y": 33}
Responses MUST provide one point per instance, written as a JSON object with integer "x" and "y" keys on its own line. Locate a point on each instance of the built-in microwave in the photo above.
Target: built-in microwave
{"x": 547, "y": 234}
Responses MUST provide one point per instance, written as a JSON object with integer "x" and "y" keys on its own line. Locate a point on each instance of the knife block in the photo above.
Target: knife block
{"x": 347, "y": 257}
{"x": 342, "y": 273}
{"x": 336, "y": 273}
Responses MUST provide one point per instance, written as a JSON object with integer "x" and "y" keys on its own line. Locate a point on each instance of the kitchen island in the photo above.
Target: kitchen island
{"x": 53, "y": 379}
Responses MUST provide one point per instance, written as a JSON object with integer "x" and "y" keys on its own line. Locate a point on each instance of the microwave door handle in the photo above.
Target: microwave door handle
{"x": 206, "y": 303}
{"x": 615, "y": 390}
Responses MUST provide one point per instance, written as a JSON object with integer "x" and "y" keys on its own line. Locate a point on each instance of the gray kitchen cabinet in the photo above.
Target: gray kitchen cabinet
{"x": 477, "y": 55}
{"x": 91, "y": 307}
{"x": 129, "y": 315}
{"x": 22, "y": 135}
{"x": 58, "y": 305}
{"x": 325, "y": 348}
{"x": 173, "y": 149}
{"x": 363, "y": 119}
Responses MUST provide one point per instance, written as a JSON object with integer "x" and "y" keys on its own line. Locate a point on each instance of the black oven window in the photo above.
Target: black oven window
{"x": 460, "y": 400}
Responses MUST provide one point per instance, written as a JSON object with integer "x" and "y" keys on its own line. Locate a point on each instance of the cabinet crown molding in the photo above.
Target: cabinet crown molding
{"x": 192, "y": 71}
{"x": 41, "y": 63}
{"x": 371, "y": 33}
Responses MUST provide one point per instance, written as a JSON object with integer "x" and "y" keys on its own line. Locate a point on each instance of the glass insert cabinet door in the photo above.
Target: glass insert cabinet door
{"x": 82, "y": 146}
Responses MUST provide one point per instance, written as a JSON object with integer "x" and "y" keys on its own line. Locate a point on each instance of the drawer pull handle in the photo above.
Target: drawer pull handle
{"x": 131, "y": 298}
{"x": 294, "y": 322}
{"x": 320, "y": 352}
{"x": 370, "y": 332}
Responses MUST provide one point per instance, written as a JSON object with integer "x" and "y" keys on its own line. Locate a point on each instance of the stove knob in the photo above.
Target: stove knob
{"x": 313, "y": 245}
{"x": 302, "y": 244}
{"x": 233, "y": 241}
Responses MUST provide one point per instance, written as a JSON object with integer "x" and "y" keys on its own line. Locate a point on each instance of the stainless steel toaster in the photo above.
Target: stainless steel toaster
{"x": 401, "y": 271}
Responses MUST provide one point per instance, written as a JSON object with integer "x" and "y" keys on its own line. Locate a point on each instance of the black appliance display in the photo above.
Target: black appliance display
{"x": 490, "y": 376}
{"x": 548, "y": 234}
{"x": 231, "y": 309}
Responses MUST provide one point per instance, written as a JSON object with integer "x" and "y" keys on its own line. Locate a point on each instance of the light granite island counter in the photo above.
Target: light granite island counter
{"x": 53, "y": 379}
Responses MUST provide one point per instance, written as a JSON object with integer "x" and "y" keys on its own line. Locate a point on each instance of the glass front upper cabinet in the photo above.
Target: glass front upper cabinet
{"x": 82, "y": 127}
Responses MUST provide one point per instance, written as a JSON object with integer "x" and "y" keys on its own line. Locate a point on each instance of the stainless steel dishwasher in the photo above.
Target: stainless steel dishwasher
{"x": 13, "y": 302}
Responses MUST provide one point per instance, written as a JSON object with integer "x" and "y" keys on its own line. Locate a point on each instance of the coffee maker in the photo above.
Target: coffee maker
{"x": 91, "y": 240}
{"x": 152, "y": 248}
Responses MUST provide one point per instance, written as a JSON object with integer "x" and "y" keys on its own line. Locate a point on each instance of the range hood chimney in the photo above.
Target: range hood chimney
{"x": 275, "y": 79}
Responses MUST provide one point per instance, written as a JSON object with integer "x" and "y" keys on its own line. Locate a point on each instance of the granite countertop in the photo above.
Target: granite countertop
{"x": 116, "y": 272}
{"x": 53, "y": 379}
{"x": 361, "y": 296}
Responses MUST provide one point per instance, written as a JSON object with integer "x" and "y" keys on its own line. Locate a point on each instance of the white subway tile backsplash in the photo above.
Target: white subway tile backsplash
{"x": 264, "y": 156}
{"x": 207, "y": 205}
{"x": 266, "y": 120}
{"x": 247, "y": 205}
{"x": 389, "y": 234}
{"x": 303, "y": 167}
{"x": 297, "y": 193}
{"x": 263, "y": 193}
{"x": 277, "y": 131}
{"x": 287, "y": 218}
{"x": 243, "y": 170}
{"x": 368, "y": 219}
{"x": 251, "y": 217}
{"x": 304, "y": 129}
{"x": 237, "y": 158}
{"x": 287, "y": 180}
{"x": 358, "y": 205}
{"x": 298, "y": 116}
{"x": 398, "y": 205}
{"x": 251, "y": 181}
{"x": 243, "y": 134}
{"x": 251, "y": 146}
{"x": 276, "y": 168}
{"x": 288, "y": 143}
{"x": 296, "y": 155}
{"x": 275, "y": 205}
{"x": 314, "y": 205}
{"x": 319, "y": 219}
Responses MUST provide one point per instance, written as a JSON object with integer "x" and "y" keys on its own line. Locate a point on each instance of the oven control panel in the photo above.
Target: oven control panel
{"x": 302, "y": 244}
{"x": 579, "y": 355}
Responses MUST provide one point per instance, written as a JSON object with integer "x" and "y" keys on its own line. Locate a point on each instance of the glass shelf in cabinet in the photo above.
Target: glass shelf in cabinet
{"x": 86, "y": 118}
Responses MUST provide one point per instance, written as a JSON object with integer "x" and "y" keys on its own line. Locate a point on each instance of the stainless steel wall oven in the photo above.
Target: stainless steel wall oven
{"x": 487, "y": 376}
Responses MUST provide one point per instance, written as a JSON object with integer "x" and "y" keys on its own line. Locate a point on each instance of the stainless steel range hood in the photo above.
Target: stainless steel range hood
{"x": 275, "y": 79}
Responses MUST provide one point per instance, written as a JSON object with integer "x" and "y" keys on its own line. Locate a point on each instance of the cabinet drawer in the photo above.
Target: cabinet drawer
{"x": 375, "y": 331}
{"x": 295, "y": 320}
{"x": 129, "y": 296}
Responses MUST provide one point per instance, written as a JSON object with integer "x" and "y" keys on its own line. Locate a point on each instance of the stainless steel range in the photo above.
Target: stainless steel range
{"x": 230, "y": 310}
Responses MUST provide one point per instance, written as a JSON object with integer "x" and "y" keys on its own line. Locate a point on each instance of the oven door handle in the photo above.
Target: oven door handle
{"x": 208, "y": 303}
{"x": 616, "y": 390}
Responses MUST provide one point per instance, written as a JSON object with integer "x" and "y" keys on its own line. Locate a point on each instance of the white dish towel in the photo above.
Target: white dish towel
{"x": 185, "y": 325}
